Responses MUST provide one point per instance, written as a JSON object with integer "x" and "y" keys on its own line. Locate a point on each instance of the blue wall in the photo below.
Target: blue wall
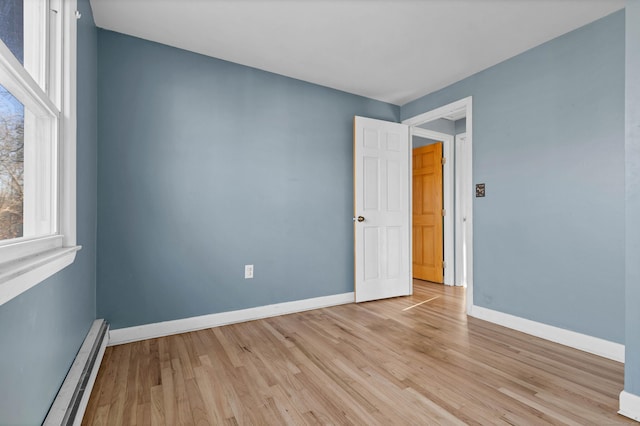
{"x": 632, "y": 152}
{"x": 441, "y": 125}
{"x": 205, "y": 166}
{"x": 417, "y": 142}
{"x": 42, "y": 329}
{"x": 447, "y": 126}
{"x": 548, "y": 141}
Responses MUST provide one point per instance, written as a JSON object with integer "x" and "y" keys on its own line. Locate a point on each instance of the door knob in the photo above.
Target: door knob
{"x": 360, "y": 219}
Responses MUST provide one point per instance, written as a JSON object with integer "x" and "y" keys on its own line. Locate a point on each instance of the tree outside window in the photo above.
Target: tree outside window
{"x": 11, "y": 129}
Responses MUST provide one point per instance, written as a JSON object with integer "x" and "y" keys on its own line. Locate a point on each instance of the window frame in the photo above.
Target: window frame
{"x": 29, "y": 261}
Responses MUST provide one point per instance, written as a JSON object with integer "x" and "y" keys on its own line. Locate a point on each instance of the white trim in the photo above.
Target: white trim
{"x": 19, "y": 276}
{"x": 630, "y": 405}
{"x": 22, "y": 86}
{"x": 447, "y": 190}
{"x": 75, "y": 376}
{"x": 440, "y": 112}
{"x": 583, "y": 342}
{"x": 463, "y": 160}
{"x": 468, "y": 183}
{"x": 28, "y": 247}
{"x": 35, "y": 51}
{"x": 166, "y": 328}
{"x": 410, "y": 212}
{"x": 68, "y": 126}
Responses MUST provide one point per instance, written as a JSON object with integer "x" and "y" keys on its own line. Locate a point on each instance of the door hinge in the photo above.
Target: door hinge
{"x": 444, "y": 265}
{"x": 444, "y": 161}
{"x": 444, "y": 212}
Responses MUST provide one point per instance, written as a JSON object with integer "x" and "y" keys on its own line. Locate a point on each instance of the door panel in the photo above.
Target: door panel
{"x": 428, "y": 245}
{"x": 381, "y": 189}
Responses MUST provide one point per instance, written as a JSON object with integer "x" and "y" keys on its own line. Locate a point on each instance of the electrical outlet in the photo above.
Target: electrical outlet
{"x": 248, "y": 271}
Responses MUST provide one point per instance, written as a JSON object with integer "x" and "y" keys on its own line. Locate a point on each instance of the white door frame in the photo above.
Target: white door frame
{"x": 463, "y": 178}
{"x": 447, "y": 191}
{"x": 462, "y": 161}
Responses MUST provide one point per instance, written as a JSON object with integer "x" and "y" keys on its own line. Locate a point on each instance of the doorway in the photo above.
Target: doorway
{"x": 457, "y": 185}
{"x": 420, "y": 137}
{"x": 382, "y": 190}
{"x": 427, "y": 211}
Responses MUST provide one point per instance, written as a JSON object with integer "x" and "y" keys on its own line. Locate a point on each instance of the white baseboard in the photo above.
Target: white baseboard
{"x": 166, "y": 328}
{"x": 583, "y": 342}
{"x": 630, "y": 405}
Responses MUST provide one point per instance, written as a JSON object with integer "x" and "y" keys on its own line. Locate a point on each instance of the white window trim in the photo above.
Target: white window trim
{"x": 29, "y": 262}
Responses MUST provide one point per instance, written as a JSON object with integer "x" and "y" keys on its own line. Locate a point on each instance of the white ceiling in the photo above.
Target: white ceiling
{"x": 391, "y": 50}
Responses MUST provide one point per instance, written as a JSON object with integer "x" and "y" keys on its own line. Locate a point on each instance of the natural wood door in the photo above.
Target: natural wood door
{"x": 428, "y": 250}
{"x": 381, "y": 209}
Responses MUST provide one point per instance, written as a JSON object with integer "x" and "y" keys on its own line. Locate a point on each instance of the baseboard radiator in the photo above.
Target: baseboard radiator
{"x": 73, "y": 397}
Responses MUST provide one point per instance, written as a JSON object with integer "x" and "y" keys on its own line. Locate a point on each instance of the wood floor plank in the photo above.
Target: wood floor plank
{"x": 204, "y": 382}
{"x": 228, "y": 347}
{"x": 104, "y": 388}
{"x": 214, "y": 384}
{"x": 117, "y": 401}
{"x": 143, "y": 415}
{"x": 168, "y": 393}
{"x": 287, "y": 407}
{"x": 98, "y": 388}
{"x": 138, "y": 359}
{"x": 410, "y": 360}
{"x": 184, "y": 415}
{"x": 101, "y": 415}
{"x": 157, "y": 406}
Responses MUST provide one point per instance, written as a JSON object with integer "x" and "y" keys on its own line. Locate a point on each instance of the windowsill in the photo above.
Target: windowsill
{"x": 20, "y": 275}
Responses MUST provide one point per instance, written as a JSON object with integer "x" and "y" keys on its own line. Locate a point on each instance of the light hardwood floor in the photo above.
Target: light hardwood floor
{"x": 414, "y": 360}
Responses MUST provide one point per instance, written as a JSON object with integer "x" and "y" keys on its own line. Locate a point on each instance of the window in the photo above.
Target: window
{"x": 12, "y": 27}
{"x": 37, "y": 141}
{"x": 11, "y": 166}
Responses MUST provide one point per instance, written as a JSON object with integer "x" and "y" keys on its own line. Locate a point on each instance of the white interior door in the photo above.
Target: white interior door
{"x": 381, "y": 209}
